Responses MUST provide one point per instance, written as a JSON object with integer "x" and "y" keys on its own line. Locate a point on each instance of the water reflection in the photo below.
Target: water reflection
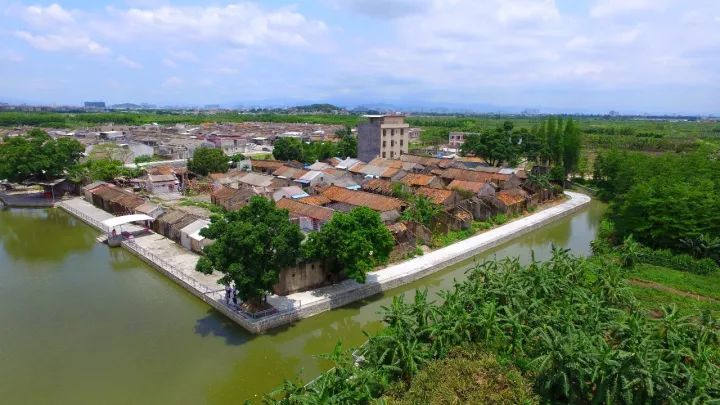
{"x": 42, "y": 235}
{"x": 218, "y": 325}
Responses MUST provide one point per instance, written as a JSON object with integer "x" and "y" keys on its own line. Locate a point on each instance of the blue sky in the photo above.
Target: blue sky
{"x": 633, "y": 56}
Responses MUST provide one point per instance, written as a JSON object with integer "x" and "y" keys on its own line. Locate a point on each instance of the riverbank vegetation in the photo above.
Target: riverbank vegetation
{"x": 570, "y": 326}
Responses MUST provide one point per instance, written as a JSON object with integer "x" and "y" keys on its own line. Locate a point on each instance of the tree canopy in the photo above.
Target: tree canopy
{"x": 251, "y": 246}
{"x": 288, "y": 149}
{"x": 37, "y": 155}
{"x": 496, "y": 146}
{"x": 208, "y": 160}
{"x": 661, "y": 200}
{"x": 353, "y": 242}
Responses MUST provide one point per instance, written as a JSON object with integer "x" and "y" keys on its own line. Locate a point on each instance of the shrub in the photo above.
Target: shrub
{"x": 683, "y": 262}
{"x": 466, "y": 376}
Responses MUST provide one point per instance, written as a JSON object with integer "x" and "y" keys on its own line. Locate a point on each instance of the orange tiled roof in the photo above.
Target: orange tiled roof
{"x": 472, "y": 175}
{"x": 474, "y": 186}
{"x": 362, "y": 199}
{"x": 378, "y": 186}
{"x": 299, "y": 209}
{"x": 509, "y": 198}
{"x": 417, "y": 179}
{"x": 266, "y": 164}
{"x": 436, "y": 195}
{"x": 315, "y": 200}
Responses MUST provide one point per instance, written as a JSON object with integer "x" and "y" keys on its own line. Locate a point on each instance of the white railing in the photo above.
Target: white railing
{"x": 167, "y": 266}
{"x": 85, "y": 217}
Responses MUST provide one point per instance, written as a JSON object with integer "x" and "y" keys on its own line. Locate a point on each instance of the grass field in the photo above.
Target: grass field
{"x": 676, "y": 287}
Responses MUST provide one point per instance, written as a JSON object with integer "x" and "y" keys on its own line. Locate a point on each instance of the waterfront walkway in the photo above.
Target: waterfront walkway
{"x": 179, "y": 264}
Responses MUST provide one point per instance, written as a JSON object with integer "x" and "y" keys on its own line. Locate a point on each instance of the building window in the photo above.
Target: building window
{"x": 383, "y": 155}
{"x": 392, "y": 154}
{"x": 384, "y": 144}
{"x": 392, "y": 143}
{"x": 401, "y": 142}
{"x": 392, "y": 132}
{"x": 384, "y": 132}
{"x": 402, "y": 131}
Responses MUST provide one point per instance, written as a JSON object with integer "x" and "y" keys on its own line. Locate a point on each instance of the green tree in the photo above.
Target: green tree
{"x": 421, "y": 210}
{"x": 495, "y": 146}
{"x": 37, "y": 155}
{"x": 288, "y": 149}
{"x": 252, "y": 245}
{"x": 571, "y": 146}
{"x": 143, "y": 159}
{"x": 347, "y": 147}
{"x": 353, "y": 242}
{"x": 434, "y": 136}
{"x": 208, "y": 160}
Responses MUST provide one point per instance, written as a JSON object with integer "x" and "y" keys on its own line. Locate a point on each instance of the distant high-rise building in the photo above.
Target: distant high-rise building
{"x": 94, "y": 104}
{"x": 384, "y": 136}
{"x": 614, "y": 113}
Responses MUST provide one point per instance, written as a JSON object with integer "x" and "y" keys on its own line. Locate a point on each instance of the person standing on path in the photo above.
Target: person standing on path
{"x": 227, "y": 294}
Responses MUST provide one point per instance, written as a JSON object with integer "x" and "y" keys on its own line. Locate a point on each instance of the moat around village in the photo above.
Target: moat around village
{"x": 87, "y": 315}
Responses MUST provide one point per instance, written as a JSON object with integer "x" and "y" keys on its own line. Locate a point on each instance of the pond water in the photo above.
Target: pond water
{"x": 83, "y": 323}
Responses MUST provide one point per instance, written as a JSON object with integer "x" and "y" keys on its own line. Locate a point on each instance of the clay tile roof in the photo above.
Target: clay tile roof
{"x": 266, "y": 164}
{"x": 299, "y": 209}
{"x": 509, "y": 197}
{"x": 223, "y": 193}
{"x": 474, "y": 186}
{"x": 360, "y": 198}
{"x": 315, "y": 200}
{"x": 436, "y": 195}
{"x": 472, "y": 175}
{"x": 378, "y": 186}
{"x": 417, "y": 179}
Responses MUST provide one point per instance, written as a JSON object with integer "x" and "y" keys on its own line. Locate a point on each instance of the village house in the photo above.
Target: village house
{"x": 231, "y": 198}
{"x": 445, "y": 198}
{"x": 162, "y": 183}
{"x": 190, "y": 237}
{"x": 293, "y": 192}
{"x": 114, "y": 199}
{"x": 422, "y": 180}
{"x": 388, "y": 207}
{"x": 314, "y": 178}
{"x": 310, "y": 217}
{"x": 149, "y": 209}
{"x": 265, "y": 166}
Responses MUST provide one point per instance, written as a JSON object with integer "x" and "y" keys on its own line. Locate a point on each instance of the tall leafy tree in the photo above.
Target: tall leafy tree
{"x": 347, "y": 147}
{"x": 37, "y": 155}
{"x": 288, "y": 149}
{"x": 353, "y": 242}
{"x": 495, "y": 146}
{"x": 208, "y": 160}
{"x": 252, "y": 245}
{"x": 571, "y": 146}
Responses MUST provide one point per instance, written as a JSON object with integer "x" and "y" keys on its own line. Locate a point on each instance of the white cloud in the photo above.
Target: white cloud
{"x": 128, "y": 62}
{"x": 63, "y": 42}
{"x": 172, "y": 81}
{"x": 611, "y": 8}
{"x": 45, "y": 16}
{"x": 240, "y": 24}
{"x": 169, "y": 63}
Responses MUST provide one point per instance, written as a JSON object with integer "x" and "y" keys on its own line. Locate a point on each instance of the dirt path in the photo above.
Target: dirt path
{"x": 660, "y": 287}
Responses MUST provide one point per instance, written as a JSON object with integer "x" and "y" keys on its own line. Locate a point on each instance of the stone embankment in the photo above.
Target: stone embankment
{"x": 178, "y": 264}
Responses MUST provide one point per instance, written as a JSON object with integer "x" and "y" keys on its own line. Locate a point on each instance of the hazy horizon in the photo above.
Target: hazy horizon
{"x": 632, "y": 56}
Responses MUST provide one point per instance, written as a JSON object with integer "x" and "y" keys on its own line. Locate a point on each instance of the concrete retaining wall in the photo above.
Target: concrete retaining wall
{"x": 305, "y": 304}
